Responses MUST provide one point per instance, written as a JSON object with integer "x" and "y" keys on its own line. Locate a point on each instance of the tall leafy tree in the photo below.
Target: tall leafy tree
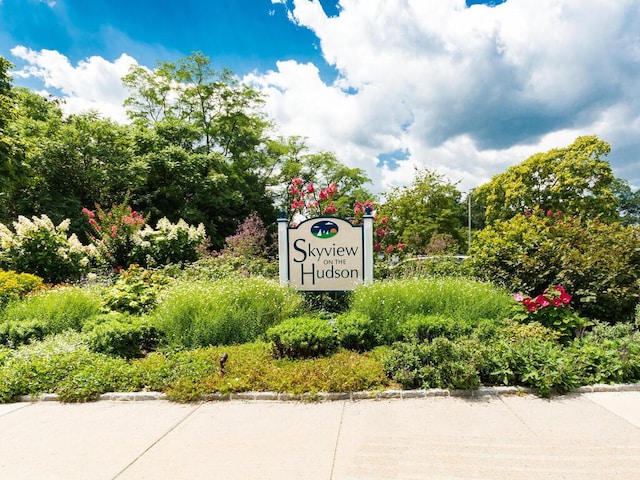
{"x": 430, "y": 206}
{"x": 205, "y": 144}
{"x": 576, "y": 180}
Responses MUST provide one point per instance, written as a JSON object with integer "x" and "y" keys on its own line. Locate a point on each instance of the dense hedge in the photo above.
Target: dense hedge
{"x": 596, "y": 262}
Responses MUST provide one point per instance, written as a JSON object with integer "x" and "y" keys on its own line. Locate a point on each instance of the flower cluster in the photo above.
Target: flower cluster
{"x": 309, "y": 201}
{"x": 553, "y": 297}
{"x": 113, "y": 232}
{"x": 40, "y": 247}
{"x": 123, "y": 238}
{"x": 551, "y": 309}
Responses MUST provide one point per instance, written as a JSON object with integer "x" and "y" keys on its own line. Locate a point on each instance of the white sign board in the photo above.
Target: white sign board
{"x": 326, "y": 254}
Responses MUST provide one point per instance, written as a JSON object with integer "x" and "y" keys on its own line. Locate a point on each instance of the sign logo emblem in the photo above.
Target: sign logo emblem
{"x": 324, "y": 229}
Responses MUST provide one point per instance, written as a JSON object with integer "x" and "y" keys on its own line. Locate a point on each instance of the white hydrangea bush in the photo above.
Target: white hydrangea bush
{"x": 168, "y": 243}
{"x": 37, "y": 246}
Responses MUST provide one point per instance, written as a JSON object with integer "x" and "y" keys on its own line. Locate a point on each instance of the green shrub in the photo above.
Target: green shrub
{"x": 46, "y": 313}
{"x": 390, "y": 303}
{"x": 437, "y": 364}
{"x": 229, "y": 267}
{"x": 595, "y": 261}
{"x": 354, "y": 331}
{"x": 420, "y": 327}
{"x": 136, "y": 290}
{"x": 223, "y": 312}
{"x": 302, "y": 337}
{"x": 440, "y": 266}
{"x": 123, "y": 336}
{"x": 14, "y": 286}
{"x": 41, "y": 248}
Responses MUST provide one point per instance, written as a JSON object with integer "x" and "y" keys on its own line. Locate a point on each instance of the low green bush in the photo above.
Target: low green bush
{"x": 123, "y": 336}
{"x": 437, "y": 364}
{"x": 223, "y": 312}
{"x": 64, "y": 365}
{"x": 420, "y": 327}
{"x": 136, "y": 290}
{"x": 14, "y": 333}
{"x": 354, "y": 331}
{"x": 302, "y": 337}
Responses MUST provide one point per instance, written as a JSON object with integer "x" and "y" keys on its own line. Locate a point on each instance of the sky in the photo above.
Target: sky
{"x": 464, "y": 88}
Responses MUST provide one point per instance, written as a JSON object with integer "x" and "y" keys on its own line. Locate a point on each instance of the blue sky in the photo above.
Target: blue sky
{"x": 466, "y": 88}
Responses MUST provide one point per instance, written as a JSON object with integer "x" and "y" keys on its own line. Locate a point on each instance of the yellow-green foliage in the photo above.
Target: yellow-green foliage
{"x": 15, "y": 285}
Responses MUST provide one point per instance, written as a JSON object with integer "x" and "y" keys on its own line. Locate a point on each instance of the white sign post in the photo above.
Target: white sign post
{"x": 325, "y": 254}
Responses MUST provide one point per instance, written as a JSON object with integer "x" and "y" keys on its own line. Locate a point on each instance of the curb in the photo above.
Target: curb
{"x": 352, "y": 396}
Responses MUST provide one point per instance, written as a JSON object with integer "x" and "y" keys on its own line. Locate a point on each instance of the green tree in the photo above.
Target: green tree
{"x": 629, "y": 202}
{"x": 205, "y": 144}
{"x": 575, "y": 180}
{"x": 429, "y": 207}
{"x": 320, "y": 169}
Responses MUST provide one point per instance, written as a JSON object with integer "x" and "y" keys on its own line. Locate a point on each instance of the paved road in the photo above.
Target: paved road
{"x": 578, "y": 436}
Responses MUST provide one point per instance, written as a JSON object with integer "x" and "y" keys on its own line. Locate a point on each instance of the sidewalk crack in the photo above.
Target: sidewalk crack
{"x": 335, "y": 448}
{"x": 167, "y": 432}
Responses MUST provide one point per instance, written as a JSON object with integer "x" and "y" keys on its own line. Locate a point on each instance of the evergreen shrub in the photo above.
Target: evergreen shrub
{"x": 302, "y": 337}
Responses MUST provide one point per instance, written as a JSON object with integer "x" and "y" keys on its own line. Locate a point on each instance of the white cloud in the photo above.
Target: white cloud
{"x": 94, "y": 83}
{"x": 466, "y": 91}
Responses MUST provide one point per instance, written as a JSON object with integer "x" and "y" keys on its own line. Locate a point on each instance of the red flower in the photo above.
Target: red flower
{"x": 532, "y": 307}
{"x": 390, "y": 249}
{"x": 400, "y": 246}
{"x": 565, "y": 298}
{"x": 297, "y": 182}
{"x": 542, "y": 301}
{"x": 293, "y": 190}
{"x": 377, "y": 247}
{"x": 323, "y": 195}
{"x": 310, "y": 188}
{"x": 384, "y": 220}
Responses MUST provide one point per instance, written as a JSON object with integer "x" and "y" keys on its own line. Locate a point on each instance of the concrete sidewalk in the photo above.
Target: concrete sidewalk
{"x": 578, "y": 436}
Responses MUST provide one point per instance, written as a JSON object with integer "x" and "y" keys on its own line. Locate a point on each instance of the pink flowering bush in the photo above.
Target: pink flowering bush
{"x": 113, "y": 231}
{"x": 551, "y": 309}
{"x": 308, "y": 200}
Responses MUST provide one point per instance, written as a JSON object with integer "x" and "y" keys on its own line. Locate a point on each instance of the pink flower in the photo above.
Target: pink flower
{"x": 323, "y": 195}
{"x": 297, "y": 181}
{"x": 88, "y": 213}
{"x": 330, "y": 209}
{"x": 518, "y": 297}
{"x": 293, "y": 190}
{"x": 310, "y": 188}
{"x": 400, "y": 246}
